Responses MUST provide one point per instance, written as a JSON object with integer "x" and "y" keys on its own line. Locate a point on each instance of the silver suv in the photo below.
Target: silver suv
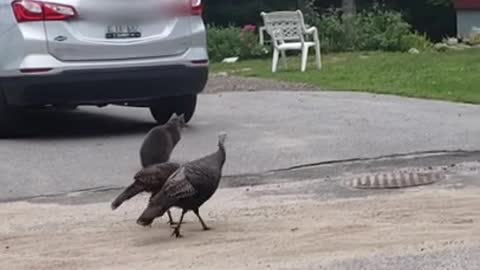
{"x": 65, "y": 53}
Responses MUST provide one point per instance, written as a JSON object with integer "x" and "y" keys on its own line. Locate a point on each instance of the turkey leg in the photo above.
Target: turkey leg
{"x": 205, "y": 228}
{"x": 176, "y": 231}
{"x": 170, "y": 219}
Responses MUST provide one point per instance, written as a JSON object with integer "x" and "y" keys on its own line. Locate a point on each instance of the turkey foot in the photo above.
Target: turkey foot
{"x": 176, "y": 233}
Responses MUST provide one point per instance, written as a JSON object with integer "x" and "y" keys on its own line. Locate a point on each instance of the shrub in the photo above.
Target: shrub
{"x": 375, "y": 29}
{"x": 415, "y": 40}
{"x": 232, "y": 41}
{"x": 372, "y": 30}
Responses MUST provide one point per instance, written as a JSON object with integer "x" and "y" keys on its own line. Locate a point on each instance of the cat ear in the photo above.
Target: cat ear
{"x": 174, "y": 116}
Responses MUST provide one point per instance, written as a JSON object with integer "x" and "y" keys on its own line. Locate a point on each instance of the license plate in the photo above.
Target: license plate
{"x": 123, "y": 31}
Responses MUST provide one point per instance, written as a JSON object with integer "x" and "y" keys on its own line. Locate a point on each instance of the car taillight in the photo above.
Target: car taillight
{"x": 27, "y": 11}
{"x": 56, "y": 12}
{"x": 197, "y": 7}
{"x": 30, "y": 11}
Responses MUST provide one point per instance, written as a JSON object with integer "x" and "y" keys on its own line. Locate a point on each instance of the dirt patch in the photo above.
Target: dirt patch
{"x": 250, "y": 231}
{"x": 229, "y": 83}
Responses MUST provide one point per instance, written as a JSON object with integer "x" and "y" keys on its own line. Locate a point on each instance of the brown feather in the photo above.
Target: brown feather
{"x": 150, "y": 179}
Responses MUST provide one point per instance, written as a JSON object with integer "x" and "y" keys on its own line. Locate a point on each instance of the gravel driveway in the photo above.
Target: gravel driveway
{"x": 228, "y": 83}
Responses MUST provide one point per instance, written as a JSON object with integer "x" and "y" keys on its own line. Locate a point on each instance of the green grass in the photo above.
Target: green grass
{"x": 453, "y": 76}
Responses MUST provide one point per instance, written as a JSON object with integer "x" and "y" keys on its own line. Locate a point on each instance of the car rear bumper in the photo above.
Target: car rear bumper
{"x": 135, "y": 86}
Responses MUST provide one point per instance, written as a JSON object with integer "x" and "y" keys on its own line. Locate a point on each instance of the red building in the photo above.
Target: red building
{"x": 468, "y": 17}
{"x": 467, "y": 4}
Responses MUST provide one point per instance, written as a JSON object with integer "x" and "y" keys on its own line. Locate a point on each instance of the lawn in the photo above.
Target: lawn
{"x": 453, "y": 75}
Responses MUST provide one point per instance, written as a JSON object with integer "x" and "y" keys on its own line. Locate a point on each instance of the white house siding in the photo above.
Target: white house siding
{"x": 466, "y": 20}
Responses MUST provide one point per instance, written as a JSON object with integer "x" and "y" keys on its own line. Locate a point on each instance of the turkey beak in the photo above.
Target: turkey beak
{"x": 144, "y": 222}
{"x": 147, "y": 216}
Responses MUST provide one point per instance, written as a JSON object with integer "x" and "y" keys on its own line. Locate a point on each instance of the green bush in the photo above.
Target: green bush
{"x": 371, "y": 30}
{"x": 232, "y": 41}
{"x": 415, "y": 40}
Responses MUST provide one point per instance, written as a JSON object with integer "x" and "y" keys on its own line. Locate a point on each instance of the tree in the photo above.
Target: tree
{"x": 301, "y": 4}
{"x": 349, "y": 7}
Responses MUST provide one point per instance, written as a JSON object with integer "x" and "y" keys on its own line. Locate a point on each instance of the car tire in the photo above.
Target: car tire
{"x": 163, "y": 109}
{"x": 186, "y": 105}
{"x": 10, "y": 119}
{"x": 67, "y": 107}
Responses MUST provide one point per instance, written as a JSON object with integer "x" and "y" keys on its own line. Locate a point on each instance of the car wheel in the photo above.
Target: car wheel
{"x": 10, "y": 119}
{"x": 186, "y": 105}
{"x": 162, "y": 110}
{"x": 67, "y": 107}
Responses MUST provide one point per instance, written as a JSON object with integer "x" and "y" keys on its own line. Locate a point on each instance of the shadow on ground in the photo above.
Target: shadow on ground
{"x": 79, "y": 123}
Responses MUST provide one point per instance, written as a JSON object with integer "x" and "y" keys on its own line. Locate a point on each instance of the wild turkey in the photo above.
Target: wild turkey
{"x": 160, "y": 141}
{"x": 188, "y": 188}
{"x": 150, "y": 179}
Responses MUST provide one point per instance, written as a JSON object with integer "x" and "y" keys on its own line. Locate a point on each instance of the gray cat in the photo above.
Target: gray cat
{"x": 160, "y": 141}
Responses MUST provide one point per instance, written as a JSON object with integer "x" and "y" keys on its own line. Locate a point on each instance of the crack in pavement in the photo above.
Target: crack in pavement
{"x": 325, "y": 169}
{"x": 383, "y": 157}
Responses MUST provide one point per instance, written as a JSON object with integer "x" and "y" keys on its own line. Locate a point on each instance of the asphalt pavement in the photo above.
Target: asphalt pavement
{"x": 98, "y": 147}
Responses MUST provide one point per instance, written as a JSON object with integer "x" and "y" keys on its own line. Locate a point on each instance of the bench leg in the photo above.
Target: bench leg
{"x": 276, "y": 55}
{"x": 318, "y": 55}
{"x": 284, "y": 59}
{"x": 304, "y": 58}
